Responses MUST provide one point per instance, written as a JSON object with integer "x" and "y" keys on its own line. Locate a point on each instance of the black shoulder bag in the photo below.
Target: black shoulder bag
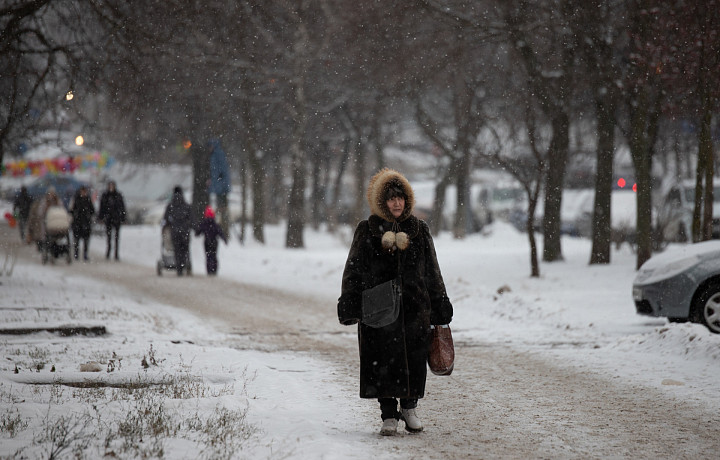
{"x": 381, "y": 304}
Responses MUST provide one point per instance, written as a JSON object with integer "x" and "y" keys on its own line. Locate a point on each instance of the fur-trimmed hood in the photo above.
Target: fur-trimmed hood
{"x": 378, "y": 186}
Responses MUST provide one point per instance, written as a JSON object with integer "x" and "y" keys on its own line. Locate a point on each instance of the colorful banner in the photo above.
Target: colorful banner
{"x": 69, "y": 164}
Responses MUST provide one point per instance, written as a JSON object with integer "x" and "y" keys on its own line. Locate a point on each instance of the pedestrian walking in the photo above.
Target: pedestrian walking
{"x": 220, "y": 183}
{"x": 393, "y": 244}
{"x": 212, "y": 232}
{"x": 178, "y": 215}
{"x": 112, "y": 213}
{"x": 21, "y": 209}
{"x": 82, "y": 210}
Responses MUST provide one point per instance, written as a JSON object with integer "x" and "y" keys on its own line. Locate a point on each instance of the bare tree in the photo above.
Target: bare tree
{"x": 529, "y": 170}
{"x": 597, "y": 28}
{"x": 548, "y": 60}
{"x": 43, "y": 59}
{"x": 643, "y": 101}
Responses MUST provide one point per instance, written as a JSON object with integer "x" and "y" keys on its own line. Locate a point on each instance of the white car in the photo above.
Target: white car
{"x": 681, "y": 284}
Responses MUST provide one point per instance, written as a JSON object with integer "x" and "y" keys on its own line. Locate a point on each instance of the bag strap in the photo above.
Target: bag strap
{"x": 401, "y": 262}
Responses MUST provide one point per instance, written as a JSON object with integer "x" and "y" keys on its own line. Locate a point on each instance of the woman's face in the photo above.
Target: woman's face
{"x": 396, "y": 206}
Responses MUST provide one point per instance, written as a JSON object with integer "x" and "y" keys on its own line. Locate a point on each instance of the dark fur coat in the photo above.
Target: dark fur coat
{"x": 393, "y": 358}
{"x": 82, "y": 213}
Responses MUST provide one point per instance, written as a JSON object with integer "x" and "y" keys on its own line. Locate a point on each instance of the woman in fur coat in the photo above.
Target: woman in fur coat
{"x": 391, "y": 241}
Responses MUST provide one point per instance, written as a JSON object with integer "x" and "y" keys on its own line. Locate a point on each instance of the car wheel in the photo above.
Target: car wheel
{"x": 706, "y": 309}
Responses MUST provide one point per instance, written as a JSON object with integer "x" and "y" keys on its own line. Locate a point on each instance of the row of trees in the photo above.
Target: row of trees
{"x": 316, "y": 89}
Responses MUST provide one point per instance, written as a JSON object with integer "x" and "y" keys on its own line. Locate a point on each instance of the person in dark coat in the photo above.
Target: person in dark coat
{"x": 391, "y": 241}
{"x": 212, "y": 232}
{"x": 178, "y": 215}
{"x": 21, "y": 209}
{"x": 112, "y": 212}
{"x": 82, "y": 211}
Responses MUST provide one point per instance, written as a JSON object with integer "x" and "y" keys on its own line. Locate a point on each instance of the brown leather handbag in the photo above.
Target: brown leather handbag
{"x": 441, "y": 357}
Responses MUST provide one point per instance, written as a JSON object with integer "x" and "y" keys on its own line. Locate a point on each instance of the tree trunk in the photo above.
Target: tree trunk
{"x": 296, "y": 204}
{"x": 602, "y": 212}
{"x": 255, "y": 165}
{"x": 436, "y": 218}
{"x": 317, "y": 197}
{"x": 466, "y": 126}
{"x": 201, "y": 176}
{"x": 641, "y": 152}
{"x": 462, "y": 176}
{"x": 242, "y": 176}
{"x": 360, "y": 182}
{"x": 705, "y": 154}
{"x": 257, "y": 186}
{"x": 336, "y": 204}
{"x": 298, "y": 108}
{"x": 557, "y": 163}
{"x": 533, "y": 196}
{"x": 277, "y": 192}
{"x": 697, "y": 205}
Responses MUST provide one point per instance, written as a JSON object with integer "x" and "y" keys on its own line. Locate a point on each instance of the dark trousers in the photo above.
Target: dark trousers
{"x": 76, "y": 244}
{"x": 388, "y": 406}
{"x": 22, "y": 223}
{"x": 181, "y": 248}
{"x": 109, "y": 232}
{"x": 211, "y": 262}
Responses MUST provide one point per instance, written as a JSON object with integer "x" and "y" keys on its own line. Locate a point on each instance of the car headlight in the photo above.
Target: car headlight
{"x": 660, "y": 272}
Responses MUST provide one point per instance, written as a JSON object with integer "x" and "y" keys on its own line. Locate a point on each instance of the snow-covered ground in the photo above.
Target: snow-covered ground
{"x": 220, "y": 400}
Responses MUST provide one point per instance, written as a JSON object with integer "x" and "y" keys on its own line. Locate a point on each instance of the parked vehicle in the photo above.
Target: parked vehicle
{"x": 682, "y": 284}
{"x": 488, "y": 201}
{"x": 675, "y": 212}
{"x": 575, "y": 213}
{"x": 498, "y": 200}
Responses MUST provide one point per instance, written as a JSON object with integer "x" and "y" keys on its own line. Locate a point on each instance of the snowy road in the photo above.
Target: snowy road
{"x": 499, "y": 403}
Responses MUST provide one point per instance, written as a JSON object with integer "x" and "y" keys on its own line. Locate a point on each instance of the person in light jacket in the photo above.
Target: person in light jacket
{"x": 391, "y": 241}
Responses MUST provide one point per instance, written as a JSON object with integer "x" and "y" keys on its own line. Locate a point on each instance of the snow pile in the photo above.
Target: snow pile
{"x": 693, "y": 341}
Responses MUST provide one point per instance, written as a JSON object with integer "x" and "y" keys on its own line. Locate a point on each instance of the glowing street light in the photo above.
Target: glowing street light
{"x": 79, "y": 140}
{"x": 69, "y": 96}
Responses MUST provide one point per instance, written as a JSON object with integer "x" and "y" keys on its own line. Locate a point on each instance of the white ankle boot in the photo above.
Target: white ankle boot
{"x": 389, "y": 427}
{"x": 412, "y": 422}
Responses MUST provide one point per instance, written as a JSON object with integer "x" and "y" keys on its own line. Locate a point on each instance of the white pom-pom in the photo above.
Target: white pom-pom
{"x": 402, "y": 241}
{"x": 388, "y": 240}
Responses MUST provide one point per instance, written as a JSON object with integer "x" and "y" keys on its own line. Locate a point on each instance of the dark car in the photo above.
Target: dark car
{"x": 65, "y": 186}
{"x": 682, "y": 285}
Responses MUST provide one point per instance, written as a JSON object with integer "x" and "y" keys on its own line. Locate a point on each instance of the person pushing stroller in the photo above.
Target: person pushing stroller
{"x": 55, "y": 228}
{"x": 212, "y": 232}
{"x": 178, "y": 216}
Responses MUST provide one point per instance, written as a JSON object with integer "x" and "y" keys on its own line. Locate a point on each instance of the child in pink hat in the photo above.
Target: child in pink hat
{"x": 212, "y": 232}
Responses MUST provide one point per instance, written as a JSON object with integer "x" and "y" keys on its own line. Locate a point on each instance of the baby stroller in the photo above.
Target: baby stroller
{"x": 167, "y": 253}
{"x": 57, "y": 235}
